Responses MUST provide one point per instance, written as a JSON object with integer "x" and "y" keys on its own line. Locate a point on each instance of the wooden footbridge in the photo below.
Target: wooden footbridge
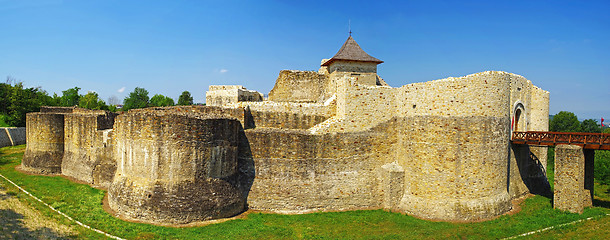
{"x": 597, "y": 141}
{"x": 574, "y": 163}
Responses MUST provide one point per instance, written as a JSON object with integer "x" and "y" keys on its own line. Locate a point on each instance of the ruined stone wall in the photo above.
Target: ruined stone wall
{"x": 285, "y": 120}
{"x": 539, "y": 119}
{"x": 362, "y": 107}
{"x": 220, "y": 95}
{"x": 50, "y": 109}
{"x": 239, "y": 113}
{"x": 520, "y": 94}
{"x": 326, "y": 109}
{"x": 175, "y": 167}
{"x": 454, "y": 133}
{"x": 455, "y": 167}
{"x": 286, "y": 115}
{"x": 535, "y": 104}
{"x": 45, "y": 143}
{"x": 479, "y": 94}
{"x": 437, "y": 150}
{"x": 539, "y": 105}
{"x": 452, "y": 145}
{"x": 88, "y": 146}
{"x": 12, "y": 136}
{"x": 298, "y": 172}
{"x": 300, "y": 86}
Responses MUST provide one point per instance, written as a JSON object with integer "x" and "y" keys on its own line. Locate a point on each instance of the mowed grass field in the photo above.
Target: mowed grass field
{"x": 84, "y": 204}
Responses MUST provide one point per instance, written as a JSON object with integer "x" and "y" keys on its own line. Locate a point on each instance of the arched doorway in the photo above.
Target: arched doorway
{"x": 519, "y": 123}
{"x": 517, "y": 118}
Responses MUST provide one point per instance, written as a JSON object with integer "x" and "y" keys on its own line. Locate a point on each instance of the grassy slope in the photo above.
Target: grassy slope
{"x": 84, "y": 203}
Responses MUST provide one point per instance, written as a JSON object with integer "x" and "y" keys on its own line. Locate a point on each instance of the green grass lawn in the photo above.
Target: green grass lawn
{"x": 84, "y": 204}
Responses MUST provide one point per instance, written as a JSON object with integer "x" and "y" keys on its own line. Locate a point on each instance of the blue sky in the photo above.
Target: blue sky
{"x": 167, "y": 47}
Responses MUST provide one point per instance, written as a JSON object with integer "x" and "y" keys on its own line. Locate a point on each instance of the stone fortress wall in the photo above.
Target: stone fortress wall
{"x": 332, "y": 140}
{"x": 12, "y": 136}
{"x": 175, "y": 167}
{"x": 88, "y": 144}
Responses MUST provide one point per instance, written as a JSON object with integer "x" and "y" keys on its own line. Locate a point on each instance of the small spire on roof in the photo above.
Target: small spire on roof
{"x": 350, "y": 27}
{"x": 351, "y": 51}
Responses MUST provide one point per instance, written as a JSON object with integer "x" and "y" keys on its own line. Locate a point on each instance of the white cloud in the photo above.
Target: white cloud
{"x": 121, "y": 90}
{"x": 223, "y": 70}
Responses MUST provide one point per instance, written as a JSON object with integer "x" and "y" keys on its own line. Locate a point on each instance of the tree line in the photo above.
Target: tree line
{"x": 568, "y": 122}
{"x": 16, "y": 101}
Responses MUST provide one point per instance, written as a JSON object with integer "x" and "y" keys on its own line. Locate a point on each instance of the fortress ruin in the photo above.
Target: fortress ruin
{"x": 332, "y": 140}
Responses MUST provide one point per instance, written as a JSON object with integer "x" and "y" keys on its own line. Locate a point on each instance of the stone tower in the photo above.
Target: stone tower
{"x": 351, "y": 60}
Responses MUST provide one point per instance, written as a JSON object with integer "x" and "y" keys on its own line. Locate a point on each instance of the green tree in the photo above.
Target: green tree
{"x": 564, "y": 122}
{"x": 5, "y": 92}
{"x": 24, "y": 100}
{"x": 92, "y": 100}
{"x": 590, "y": 125}
{"x": 602, "y": 166}
{"x": 161, "y": 101}
{"x": 136, "y": 99}
{"x": 70, "y": 97}
{"x": 112, "y": 108}
{"x": 185, "y": 98}
{"x": 55, "y": 100}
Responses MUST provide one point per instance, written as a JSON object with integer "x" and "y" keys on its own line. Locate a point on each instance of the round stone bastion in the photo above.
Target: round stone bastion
{"x": 457, "y": 169}
{"x": 175, "y": 167}
{"x": 45, "y": 143}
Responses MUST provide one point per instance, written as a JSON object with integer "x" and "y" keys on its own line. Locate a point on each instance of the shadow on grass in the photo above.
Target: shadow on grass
{"x": 12, "y": 226}
{"x": 601, "y": 203}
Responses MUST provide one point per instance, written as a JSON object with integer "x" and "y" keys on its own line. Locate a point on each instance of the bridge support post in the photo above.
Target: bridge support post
{"x": 589, "y": 173}
{"x": 572, "y": 191}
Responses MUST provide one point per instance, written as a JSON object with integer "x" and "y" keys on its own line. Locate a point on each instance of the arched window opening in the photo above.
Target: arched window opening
{"x": 518, "y": 126}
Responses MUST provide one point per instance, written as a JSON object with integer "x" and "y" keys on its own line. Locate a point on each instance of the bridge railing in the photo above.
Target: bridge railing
{"x": 586, "y": 140}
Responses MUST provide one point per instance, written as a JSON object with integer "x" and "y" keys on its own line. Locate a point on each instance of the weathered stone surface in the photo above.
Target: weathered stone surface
{"x": 392, "y": 178}
{"x": 300, "y": 86}
{"x": 45, "y": 143}
{"x": 285, "y": 120}
{"x": 49, "y": 109}
{"x": 12, "y": 136}
{"x": 219, "y": 95}
{"x": 175, "y": 168}
{"x": 570, "y": 193}
{"x": 298, "y": 172}
{"x": 456, "y": 169}
{"x": 337, "y": 139}
{"x": 88, "y": 148}
{"x": 527, "y": 172}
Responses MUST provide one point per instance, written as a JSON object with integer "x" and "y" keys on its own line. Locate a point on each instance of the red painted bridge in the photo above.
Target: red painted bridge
{"x": 598, "y": 141}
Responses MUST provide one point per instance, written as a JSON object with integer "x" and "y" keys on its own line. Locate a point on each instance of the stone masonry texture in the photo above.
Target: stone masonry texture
{"x": 45, "y": 143}
{"x": 333, "y": 140}
{"x": 12, "y": 136}
{"x": 175, "y": 168}
{"x": 570, "y": 193}
{"x": 88, "y": 147}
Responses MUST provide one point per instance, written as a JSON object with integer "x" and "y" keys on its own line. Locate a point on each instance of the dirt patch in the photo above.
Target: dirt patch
{"x": 20, "y": 221}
